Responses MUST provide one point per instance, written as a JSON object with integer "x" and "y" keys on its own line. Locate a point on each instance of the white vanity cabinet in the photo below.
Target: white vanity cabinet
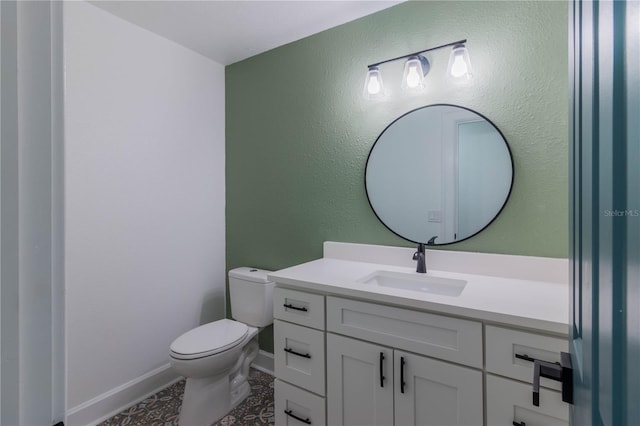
{"x": 387, "y": 346}
{"x": 341, "y": 362}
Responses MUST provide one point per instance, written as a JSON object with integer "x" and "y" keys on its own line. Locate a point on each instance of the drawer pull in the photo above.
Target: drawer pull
{"x": 290, "y": 414}
{"x": 297, "y": 308}
{"x": 291, "y": 351}
{"x": 519, "y": 423}
{"x": 402, "y": 374}
{"x": 381, "y": 370}
{"x": 528, "y": 358}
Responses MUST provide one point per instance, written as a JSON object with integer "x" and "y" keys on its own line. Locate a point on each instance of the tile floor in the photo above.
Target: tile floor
{"x": 163, "y": 408}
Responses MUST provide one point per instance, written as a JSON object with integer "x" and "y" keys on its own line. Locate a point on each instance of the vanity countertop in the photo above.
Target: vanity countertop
{"x": 539, "y": 305}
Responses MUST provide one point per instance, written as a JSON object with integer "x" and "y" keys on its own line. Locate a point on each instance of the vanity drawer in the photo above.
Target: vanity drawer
{"x": 503, "y": 344}
{"x": 438, "y": 336}
{"x": 510, "y": 403}
{"x": 291, "y": 402}
{"x": 299, "y": 355}
{"x": 299, "y": 307}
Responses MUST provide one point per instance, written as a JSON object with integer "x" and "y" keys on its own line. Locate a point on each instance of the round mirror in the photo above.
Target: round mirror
{"x": 439, "y": 174}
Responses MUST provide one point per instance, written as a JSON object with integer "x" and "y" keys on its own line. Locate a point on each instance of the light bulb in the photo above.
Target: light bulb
{"x": 459, "y": 63}
{"x": 415, "y": 69}
{"x": 374, "y": 85}
{"x": 413, "y": 78}
{"x": 459, "y": 67}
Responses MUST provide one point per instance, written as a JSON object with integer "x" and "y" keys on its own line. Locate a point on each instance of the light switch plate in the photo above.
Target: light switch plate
{"x": 435, "y": 216}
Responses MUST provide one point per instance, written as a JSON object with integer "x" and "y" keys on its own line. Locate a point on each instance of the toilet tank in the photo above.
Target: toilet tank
{"x": 251, "y": 295}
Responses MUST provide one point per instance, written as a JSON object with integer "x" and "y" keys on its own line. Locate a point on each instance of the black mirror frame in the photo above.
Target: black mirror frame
{"x": 488, "y": 223}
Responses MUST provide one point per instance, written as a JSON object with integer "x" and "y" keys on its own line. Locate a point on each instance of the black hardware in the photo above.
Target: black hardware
{"x": 419, "y": 255}
{"x": 290, "y": 306}
{"x": 381, "y": 371}
{"x": 432, "y": 241}
{"x": 402, "y": 383}
{"x": 562, "y": 372}
{"x": 290, "y": 414}
{"x": 528, "y": 358}
{"x": 419, "y": 52}
{"x": 59, "y": 424}
{"x": 519, "y": 423}
{"x": 291, "y": 351}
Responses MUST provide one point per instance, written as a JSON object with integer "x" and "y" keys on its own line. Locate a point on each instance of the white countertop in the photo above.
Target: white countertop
{"x": 539, "y": 305}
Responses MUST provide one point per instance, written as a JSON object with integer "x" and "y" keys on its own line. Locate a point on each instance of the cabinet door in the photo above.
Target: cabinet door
{"x": 356, "y": 392}
{"x": 436, "y": 393}
{"x": 296, "y": 407}
{"x": 510, "y": 402}
{"x": 299, "y": 356}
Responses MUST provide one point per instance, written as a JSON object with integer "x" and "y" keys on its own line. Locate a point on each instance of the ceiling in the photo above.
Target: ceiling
{"x": 230, "y": 31}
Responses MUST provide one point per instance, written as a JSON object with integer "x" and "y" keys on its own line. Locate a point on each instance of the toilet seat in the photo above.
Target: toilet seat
{"x": 209, "y": 339}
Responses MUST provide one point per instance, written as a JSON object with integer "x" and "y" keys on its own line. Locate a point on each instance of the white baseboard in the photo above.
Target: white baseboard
{"x": 117, "y": 399}
{"x": 110, "y": 403}
{"x": 264, "y": 362}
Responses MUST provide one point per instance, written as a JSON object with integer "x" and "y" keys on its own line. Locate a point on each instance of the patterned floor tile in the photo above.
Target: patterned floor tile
{"x": 163, "y": 408}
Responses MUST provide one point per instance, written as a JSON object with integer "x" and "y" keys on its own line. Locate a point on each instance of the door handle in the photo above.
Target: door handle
{"x": 562, "y": 373}
{"x": 381, "y": 369}
{"x": 402, "y": 374}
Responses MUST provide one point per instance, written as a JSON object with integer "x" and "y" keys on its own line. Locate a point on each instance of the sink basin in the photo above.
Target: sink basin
{"x": 423, "y": 283}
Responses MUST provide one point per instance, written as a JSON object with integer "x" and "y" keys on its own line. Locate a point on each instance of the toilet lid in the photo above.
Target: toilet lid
{"x": 209, "y": 339}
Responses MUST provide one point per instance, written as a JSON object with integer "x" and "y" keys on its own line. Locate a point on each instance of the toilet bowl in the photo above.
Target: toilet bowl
{"x": 215, "y": 357}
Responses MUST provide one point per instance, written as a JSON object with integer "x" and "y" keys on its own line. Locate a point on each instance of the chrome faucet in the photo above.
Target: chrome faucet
{"x": 420, "y": 257}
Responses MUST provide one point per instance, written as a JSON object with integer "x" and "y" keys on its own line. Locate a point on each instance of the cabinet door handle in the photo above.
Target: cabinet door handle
{"x": 519, "y": 423}
{"x": 297, "y": 308}
{"x": 290, "y": 414}
{"x": 402, "y": 374}
{"x": 381, "y": 370}
{"x": 291, "y": 351}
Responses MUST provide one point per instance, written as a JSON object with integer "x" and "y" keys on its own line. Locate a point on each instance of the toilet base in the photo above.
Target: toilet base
{"x": 208, "y": 399}
{"x": 198, "y": 406}
{"x": 239, "y": 392}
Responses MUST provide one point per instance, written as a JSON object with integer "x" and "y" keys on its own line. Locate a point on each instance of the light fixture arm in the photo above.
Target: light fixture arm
{"x": 418, "y": 53}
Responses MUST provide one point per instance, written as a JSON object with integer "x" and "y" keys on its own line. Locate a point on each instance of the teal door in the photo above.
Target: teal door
{"x": 604, "y": 76}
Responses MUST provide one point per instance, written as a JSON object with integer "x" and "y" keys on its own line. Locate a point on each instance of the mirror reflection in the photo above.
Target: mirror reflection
{"x": 439, "y": 174}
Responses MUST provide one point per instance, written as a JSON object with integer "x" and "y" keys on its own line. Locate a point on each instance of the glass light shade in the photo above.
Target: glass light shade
{"x": 415, "y": 69}
{"x": 459, "y": 63}
{"x": 373, "y": 86}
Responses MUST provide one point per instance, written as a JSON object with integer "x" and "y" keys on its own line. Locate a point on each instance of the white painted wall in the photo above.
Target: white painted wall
{"x": 144, "y": 187}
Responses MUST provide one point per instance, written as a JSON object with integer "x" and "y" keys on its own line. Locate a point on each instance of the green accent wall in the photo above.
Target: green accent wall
{"x": 298, "y": 130}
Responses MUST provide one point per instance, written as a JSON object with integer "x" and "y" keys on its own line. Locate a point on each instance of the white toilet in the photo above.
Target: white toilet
{"x": 215, "y": 357}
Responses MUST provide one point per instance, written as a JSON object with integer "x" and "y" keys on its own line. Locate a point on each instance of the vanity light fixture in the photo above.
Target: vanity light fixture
{"x": 416, "y": 68}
